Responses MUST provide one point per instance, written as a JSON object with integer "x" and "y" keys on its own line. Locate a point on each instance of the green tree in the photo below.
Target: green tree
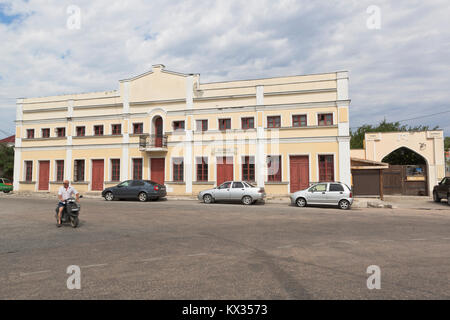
{"x": 7, "y": 161}
{"x": 447, "y": 144}
{"x": 357, "y": 136}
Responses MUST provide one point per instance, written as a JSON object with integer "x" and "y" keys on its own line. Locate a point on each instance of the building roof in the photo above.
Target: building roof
{"x": 10, "y": 139}
{"x": 357, "y": 163}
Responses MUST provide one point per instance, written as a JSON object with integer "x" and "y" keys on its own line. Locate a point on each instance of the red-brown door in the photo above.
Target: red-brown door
{"x": 158, "y": 133}
{"x": 157, "y": 170}
{"x": 44, "y": 170}
{"x": 299, "y": 172}
{"x": 97, "y": 175}
{"x": 224, "y": 170}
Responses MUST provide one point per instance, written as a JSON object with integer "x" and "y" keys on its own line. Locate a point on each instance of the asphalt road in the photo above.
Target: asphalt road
{"x": 189, "y": 250}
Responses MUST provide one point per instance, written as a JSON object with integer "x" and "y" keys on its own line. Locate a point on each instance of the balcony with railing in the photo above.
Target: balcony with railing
{"x": 152, "y": 142}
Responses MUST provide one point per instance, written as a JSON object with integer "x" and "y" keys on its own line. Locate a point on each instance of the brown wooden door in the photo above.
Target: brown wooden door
{"x": 299, "y": 173}
{"x": 397, "y": 182}
{"x": 44, "y": 170}
{"x": 366, "y": 182}
{"x": 97, "y": 175}
{"x": 224, "y": 169}
{"x": 158, "y": 133}
{"x": 157, "y": 170}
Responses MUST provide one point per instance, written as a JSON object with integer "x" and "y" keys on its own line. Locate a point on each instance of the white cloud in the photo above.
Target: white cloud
{"x": 396, "y": 72}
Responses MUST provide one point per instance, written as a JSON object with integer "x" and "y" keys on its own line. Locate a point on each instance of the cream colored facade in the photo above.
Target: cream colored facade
{"x": 428, "y": 144}
{"x": 175, "y": 97}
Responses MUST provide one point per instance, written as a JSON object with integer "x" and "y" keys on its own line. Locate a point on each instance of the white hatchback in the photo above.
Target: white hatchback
{"x": 324, "y": 193}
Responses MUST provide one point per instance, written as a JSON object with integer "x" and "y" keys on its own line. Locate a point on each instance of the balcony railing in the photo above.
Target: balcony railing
{"x": 149, "y": 142}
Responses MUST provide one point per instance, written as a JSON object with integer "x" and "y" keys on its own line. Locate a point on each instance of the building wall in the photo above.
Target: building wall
{"x": 181, "y": 97}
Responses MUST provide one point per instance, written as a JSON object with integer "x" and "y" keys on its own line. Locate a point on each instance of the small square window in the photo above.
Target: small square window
{"x": 178, "y": 125}
{"x": 98, "y": 130}
{"x": 224, "y": 124}
{"x": 248, "y": 123}
{"x": 274, "y": 122}
{"x": 138, "y": 128}
{"x": 325, "y": 119}
{"x": 81, "y": 131}
{"x": 116, "y": 129}
{"x": 46, "y": 133}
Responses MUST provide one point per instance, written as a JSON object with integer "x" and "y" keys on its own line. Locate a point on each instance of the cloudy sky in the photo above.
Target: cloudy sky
{"x": 399, "y": 71}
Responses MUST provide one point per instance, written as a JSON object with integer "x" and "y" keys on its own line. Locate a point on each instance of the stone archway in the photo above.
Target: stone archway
{"x": 407, "y": 173}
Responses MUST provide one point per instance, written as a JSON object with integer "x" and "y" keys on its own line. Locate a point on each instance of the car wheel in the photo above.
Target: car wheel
{"x": 142, "y": 197}
{"x": 247, "y": 200}
{"x": 435, "y": 197}
{"x": 109, "y": 196}
{"x": 448, "y": 199}
{"x": 6, "y": 191}
{"x": 300, "y": 202}
{"x": 344, "y": 205}
{"x": 207, "y": 198}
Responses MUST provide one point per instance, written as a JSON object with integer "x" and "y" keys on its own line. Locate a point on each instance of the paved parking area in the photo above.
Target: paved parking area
{"x": 189, "y": 250}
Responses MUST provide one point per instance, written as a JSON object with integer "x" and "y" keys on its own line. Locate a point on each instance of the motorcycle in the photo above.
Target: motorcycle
{"x": 70, "y": 212}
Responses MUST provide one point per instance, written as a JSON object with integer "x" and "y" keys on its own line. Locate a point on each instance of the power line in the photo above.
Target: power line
{"x": 421, "y": 117}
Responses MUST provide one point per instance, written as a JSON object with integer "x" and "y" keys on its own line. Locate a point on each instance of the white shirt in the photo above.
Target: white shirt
{"x": 67, "y": 193}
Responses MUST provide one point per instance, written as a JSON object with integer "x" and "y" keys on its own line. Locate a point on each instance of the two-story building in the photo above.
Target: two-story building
{"x": 281, "y": 133}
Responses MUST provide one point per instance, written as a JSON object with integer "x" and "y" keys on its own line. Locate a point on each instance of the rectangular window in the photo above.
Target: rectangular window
{"x": 78, "y": 170}
{"x": 30, "y": 133}
{"x": 299, "y": 120}
{"x": 138, "y": 128}
{"x": 248, "y": 169}
{"x": 326, "y": 168}
{"x": 274, "y": 168}
{"x": 202, "y": 125}
{"x": 248, "y": 123}
{"x": 224, "y": 124}
{"x": 98, "y": 130}
{"x": 81, "y": 131}
{"x": 115, "y": 170}
{"x": 202, "y": 169}
{"x": 137, "y": 169}
{"x": 273, "y": 122}
{"x": 28, "y": 171}
{"x": 60, "y": 132}
{"x": 116, "y": 129}
{"x": 46, "y": 133}
{"x": 59, "y": 170}
{"x": 178, "y": 169}
{"x": 178, "y": 125}
{"x": 325, "y": 119}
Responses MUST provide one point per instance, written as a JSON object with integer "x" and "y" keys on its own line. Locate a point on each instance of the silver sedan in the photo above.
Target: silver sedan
{"x": 327, "y": 193}
{"x": 233, "y": 191}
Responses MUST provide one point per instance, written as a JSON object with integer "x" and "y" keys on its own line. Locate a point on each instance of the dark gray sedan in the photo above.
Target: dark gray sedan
{"x": 135, "y": 189}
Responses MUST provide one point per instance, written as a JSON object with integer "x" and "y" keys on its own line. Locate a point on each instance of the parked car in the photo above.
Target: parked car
{"x": 5, "y": 185}
{"x": 442, "y": 190}
{"x": 242, "y": 191}
{"x": 135, "y": 189}
{"x": 325, "y": 193}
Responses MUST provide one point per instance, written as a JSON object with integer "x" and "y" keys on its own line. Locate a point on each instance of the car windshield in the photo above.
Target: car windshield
{"x": 251, "y": 185}
{"x": 151, "y": 182}
{"x": 6, "y": 181}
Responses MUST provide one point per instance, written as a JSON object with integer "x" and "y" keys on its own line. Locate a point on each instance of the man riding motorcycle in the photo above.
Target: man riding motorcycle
{"x": 65, "y": 192}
